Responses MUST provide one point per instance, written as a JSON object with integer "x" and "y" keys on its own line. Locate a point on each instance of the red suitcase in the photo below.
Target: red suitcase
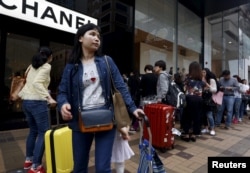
{"x": 161, "y": 117}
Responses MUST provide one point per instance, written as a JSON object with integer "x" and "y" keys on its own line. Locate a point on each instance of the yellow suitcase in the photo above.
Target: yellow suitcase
{"x": 58, "y": 150}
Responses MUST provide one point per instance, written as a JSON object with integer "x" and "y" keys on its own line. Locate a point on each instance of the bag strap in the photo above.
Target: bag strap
{"x": 113, "y": 88}
{"x": 27, "y": 71}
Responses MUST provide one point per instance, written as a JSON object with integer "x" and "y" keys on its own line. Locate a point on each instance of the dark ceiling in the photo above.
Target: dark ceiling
{"x": 204, "y": 8}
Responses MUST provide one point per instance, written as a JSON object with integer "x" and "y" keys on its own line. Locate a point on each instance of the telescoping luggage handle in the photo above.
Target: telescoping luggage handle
{"x": 144, "y": 120}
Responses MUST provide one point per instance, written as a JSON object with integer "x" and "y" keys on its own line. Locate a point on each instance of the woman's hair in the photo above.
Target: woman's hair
{"x": 211, "y": 75}
{"x": 77, "y": 53}
{"x": 238, "y": 78}
{"x": 161, "y": 64}
{"x": 195, "y": 71}
{"x": 41, "y": 57}
{"x": 243, "y": 81}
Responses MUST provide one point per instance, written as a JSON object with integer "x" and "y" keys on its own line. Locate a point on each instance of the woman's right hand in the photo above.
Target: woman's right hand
{"x": 51, "y": 101}
{"x": 65, "y": 112}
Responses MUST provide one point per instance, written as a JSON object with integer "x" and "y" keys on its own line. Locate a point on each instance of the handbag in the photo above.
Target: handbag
{"x": 17, "y": 85}
{"x": 245, "y": 97}
{"x": 149, "y": 159}
{"x": 217, "y": 97}
{"x": 207, "y": 98}
{"x": 95, "y": 120}
{"x": 122, "y": 118}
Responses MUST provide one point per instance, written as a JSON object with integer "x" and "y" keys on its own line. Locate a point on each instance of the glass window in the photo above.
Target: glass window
{"x": 120, "y": 7}
{"x": 60, "y": 57}
{"x": 105, "y": 19}
{"x": 154, "y": 31}
{"x": 213, "y": 45}
{"x": 228, "y": 41}
{"x": 189, "y": 37}
{"x": 106, "y": 7}
{"x": 19, "y": 52}
{"x": 155, "y": 34}
{"x": 244, "y": 41}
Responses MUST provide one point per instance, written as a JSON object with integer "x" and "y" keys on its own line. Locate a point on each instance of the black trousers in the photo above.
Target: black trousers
{"x": 192, "y": 115}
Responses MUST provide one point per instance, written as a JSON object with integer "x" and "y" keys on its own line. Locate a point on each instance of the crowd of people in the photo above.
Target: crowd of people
{"x": 84, "y": 86}
{"x": 202, "y": 115}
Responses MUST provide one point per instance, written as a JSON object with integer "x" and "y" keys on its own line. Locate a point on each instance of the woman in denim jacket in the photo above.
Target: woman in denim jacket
{"x": 86, "y": 80}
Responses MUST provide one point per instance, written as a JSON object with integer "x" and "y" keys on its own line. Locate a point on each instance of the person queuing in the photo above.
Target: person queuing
{"x": 192, "y": 113}
{"x": 85, "y": 81}
{"x": 209, "y": 106}
{"x": 36, "y": 97}
{"x": 148, "y": 82}
{"x": 162, "y": 81}
{"x": 239, "y": 101}
{"x": 133, "y": 85}
{"x": 228, "y": 86}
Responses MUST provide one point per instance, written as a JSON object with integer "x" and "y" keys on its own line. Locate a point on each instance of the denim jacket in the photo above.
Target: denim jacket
{"x": 71, "y": 88}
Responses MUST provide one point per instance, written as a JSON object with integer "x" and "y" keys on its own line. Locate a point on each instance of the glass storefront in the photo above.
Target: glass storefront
{"x": 19, "y": 52}
{"x": 166, "y": 30}
{"x": 60, "y": 57}
{"x": 227, "y": 41}
{"x": 151, "y": 30}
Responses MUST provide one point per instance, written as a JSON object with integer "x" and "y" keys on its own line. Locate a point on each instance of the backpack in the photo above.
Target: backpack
{"x": 175, "y": 97}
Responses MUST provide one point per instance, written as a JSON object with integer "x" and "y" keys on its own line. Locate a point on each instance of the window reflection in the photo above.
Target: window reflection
{"x": 60, "y": 56}
{"x": 19, "y": 52}
{"x": 155, "y": 34}
{"x": 228, "y": 43}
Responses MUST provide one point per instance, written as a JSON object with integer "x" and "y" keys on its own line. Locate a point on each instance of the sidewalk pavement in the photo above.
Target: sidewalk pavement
{"x": 186, "y": 157}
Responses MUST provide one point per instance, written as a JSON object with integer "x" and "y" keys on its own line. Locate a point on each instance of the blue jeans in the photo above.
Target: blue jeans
{"x": 210, "y": 119}
{"x": 242, "y": 109}
{"x": 228, "y": 104}
{"x": 237, "y": 103}
{"x": 37, "y": 116}
{"x": 103, "y": 150}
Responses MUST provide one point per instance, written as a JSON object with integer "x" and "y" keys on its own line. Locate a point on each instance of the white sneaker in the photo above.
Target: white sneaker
{"x": 204, "y": 131}
{"x": 212, "y": 132}
{"x": 240, "y": 120}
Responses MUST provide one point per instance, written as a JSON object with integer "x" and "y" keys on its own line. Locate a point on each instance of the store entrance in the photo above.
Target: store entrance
{"x": 18, "y": 55}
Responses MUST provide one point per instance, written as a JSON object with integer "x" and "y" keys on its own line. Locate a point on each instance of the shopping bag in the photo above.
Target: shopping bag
{"x": 217, "y": 97}
{"x": 149, "y": 160}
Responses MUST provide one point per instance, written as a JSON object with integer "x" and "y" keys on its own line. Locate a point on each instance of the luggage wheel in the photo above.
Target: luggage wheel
{"x": 163, "y": 150}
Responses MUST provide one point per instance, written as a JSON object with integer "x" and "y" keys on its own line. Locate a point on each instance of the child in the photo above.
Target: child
{"x": 121, "y": 150}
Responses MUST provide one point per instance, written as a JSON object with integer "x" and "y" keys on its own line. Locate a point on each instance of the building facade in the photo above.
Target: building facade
{"x": 134, "y": 33}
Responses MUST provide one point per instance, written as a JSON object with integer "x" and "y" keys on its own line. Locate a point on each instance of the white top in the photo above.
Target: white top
{"x": 213, "y": 86}
{"x": 242, "y": 90}
{"x": 37, "y": 82}
{"x": 92, "y": 95}
{"x": 121, "y": 149}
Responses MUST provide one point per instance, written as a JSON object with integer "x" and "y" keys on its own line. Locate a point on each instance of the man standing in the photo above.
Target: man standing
{"x": 148, "y": 82}
{"x": 163, "y": 80}
{"x": 228, "y": 86}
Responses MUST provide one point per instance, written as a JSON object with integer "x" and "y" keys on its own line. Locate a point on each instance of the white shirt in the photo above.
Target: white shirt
{"x": 92, "y": 95}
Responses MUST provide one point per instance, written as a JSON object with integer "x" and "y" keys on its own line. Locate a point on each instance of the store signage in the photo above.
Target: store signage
{"x": 45, "y": 13}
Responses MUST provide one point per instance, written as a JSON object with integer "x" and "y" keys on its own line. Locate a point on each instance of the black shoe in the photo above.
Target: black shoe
{"x": 192, "y": 138}
{"x": 185, "y": 138}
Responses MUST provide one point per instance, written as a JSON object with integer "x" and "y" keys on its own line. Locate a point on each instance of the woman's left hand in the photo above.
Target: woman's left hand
{"x": 137, "y": 113}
